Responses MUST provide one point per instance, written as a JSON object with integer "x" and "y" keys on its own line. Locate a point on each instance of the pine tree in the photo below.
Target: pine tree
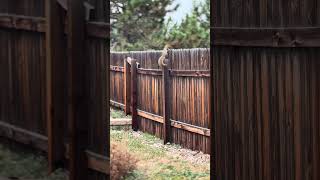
{"x": 194, "y": 30}
{"x": 134, "y": 23}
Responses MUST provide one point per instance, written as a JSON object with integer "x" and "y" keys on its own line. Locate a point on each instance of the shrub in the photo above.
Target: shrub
{"x": 123, "y": 163}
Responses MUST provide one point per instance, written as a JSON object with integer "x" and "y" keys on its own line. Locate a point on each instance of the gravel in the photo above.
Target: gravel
{"x": 176, "y": 151}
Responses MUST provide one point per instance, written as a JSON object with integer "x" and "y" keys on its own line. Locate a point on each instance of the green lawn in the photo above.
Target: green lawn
{"x": 18, "y": 163}
{"x": 154, "y": 162}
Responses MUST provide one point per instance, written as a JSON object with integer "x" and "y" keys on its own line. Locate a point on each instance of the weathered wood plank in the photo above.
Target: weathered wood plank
{"x": 95, "y": 161}
{"x": 120, "y": 122}
{"x": 154, "y": 72}
{"x": 176, "y": 124}
{"x": 150, "y": 116}
{"x": 166, "y": 85}
{"x": 117, "y": 69}
{"x": 267, "y": 37}
{"x": 77, "y": 110}
{"x": 190, "y": 128}
{"x": 98, "y": 162}
{"x": 264, "y": 115}
{"x": 19, "y": 22}
{"x": 116, "y": 104}
{"x": 23, "y": 136}
{"x": 134, "y": 94}
{"x": 127, "y": 87}
{"x": 38, "y": 24}
{"x": 190, "y": 73}
{"x": 54, "y": 104}
{"x": 178, "y": 73}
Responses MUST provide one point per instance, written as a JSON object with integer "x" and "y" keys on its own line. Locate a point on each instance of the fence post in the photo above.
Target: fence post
{"x": 77, "y": 108}
{"x": 127, "y": 86}
{"x": 54, "y": 90}
{"x": 166, "y": 104}
{"x": 134, "y": 111}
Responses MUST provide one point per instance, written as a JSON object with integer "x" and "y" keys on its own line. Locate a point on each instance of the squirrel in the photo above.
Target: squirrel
{"x": 162, "y": 60}
{"x": 129, "y": 60}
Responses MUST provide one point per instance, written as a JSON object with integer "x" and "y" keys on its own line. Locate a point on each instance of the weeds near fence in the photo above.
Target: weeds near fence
{"x": 118, "y": 114}
{"x": 22, "y": 164}
{"x": 123, "y": 163}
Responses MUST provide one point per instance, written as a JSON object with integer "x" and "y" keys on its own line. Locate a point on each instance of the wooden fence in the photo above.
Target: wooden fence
{"x": 54, "y": 83}
{"x": 171, "y": 103}
{"x": 266, "y": 89}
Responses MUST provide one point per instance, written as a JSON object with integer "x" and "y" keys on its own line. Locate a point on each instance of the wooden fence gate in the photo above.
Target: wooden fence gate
{"x": 265, "y": 88}
{"x": 54, "y": 84}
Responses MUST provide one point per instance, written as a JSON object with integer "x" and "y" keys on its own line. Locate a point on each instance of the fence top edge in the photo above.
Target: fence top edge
{"x": 157, "y": 51}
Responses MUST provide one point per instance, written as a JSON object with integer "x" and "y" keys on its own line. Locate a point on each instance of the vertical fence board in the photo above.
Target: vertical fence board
{"x": 78, "y": 113}
{"x": 134, "y": 110}
{"x": 54, "y": 106}
{"x": 98, "y": 90}
{"x": 127, "y": 86}
{"x": 263, "y": 127}
{"x": 166, "y": 86}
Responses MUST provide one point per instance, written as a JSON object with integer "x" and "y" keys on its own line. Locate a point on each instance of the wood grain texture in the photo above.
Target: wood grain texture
{"x": 26, "y": 42}
{"x": 265, "y": 89}
{"x": 97, "y": 88}
{"x": 127, "y": 86}
{"x": 55, "y": 81}
{"x": 134, "y": 95}
{"x": 267, "y": 37}
{"x": 77, "y": 100}
{"x": 166, "y": 98}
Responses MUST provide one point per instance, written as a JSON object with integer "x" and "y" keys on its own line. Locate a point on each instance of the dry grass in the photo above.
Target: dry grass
{"x": 123, "y": 163}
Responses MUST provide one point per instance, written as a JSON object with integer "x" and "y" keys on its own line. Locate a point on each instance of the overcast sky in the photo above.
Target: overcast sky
{"x": 184, "y": 8}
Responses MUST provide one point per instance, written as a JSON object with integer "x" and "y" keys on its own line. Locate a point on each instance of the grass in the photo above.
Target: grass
{"x": 25, "y": 165}
{"x": 116, "y": 114}
{"x": 154, "y": 162}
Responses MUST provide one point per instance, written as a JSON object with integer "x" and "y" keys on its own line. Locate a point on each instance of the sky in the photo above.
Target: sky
{"x": 184, "y": 8}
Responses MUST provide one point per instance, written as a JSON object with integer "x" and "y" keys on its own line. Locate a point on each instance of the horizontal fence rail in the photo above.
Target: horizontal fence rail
{"x": 38, "y": 24}
{"x": 186, "y": 99}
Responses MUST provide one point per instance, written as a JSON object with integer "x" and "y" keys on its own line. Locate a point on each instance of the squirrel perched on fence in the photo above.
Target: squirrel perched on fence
{"x": 162, "y": 60}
